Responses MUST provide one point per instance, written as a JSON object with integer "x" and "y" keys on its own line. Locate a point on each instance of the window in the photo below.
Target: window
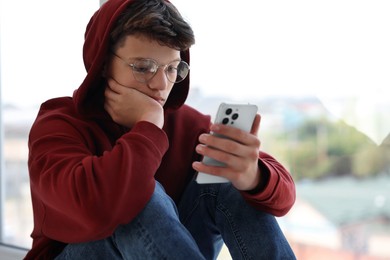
{"x": 41, "y": 57}
{"x": 319, "y": 72}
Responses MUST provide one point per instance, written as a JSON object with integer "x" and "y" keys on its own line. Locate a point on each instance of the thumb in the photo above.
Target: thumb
{"x": 256, "y": 125}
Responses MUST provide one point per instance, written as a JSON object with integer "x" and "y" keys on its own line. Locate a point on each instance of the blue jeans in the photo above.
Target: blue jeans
{"x": 207, "y": 216}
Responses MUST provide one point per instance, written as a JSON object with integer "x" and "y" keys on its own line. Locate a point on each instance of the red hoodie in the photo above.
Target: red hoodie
{"x": 88, "y": 175}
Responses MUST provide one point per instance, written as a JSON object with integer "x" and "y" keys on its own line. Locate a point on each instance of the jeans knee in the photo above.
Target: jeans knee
{"x": 161, "y": 202}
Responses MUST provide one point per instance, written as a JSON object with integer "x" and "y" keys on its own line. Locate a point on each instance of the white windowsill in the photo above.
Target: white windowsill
{"x": 11, "y": 253}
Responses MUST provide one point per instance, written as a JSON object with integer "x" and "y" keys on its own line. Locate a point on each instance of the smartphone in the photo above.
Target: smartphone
{"x": 236, "y": 115}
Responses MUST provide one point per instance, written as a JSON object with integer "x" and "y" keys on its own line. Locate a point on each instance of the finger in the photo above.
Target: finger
{"x": 256, "y": 125}
{"x": 213, "y": 153}
{"x": 236, "y": 134}
{"x": 108, "y": 108}
{"x": 110, "y": 95}
{"x": 227, "y": 151}
{"x": 229, "y": 172}
{"x": 115, "y": 86}
{"x": 212, "y": 170}
{"x": 213, "y": 143}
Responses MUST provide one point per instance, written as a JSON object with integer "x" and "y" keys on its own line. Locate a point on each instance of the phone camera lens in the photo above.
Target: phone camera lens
{"x": 235, "y": 116}
{"x": 228, "y": 111}
{"x": 225, "y": 121}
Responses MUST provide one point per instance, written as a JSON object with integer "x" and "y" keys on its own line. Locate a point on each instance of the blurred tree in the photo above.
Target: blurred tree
{"x": 323, "y": 148}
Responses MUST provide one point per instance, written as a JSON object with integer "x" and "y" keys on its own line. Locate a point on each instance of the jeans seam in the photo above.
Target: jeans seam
{"x": 237, "y": 236}
{"x": 115, "y": 245}
{"x": 196, "y": 204}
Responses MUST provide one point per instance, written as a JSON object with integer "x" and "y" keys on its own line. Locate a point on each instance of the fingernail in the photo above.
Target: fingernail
{"x": 199, "y": 148}
{"x": 214, "y": 127}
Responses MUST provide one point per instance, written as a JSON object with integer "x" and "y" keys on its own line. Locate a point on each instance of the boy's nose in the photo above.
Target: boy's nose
{"x": 159, "y": 80}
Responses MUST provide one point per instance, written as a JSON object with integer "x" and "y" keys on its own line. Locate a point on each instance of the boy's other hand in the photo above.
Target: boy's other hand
{"x": 127, "y": 106}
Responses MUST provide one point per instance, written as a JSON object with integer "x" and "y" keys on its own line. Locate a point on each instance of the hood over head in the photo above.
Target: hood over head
{"x": 89, "y": 97}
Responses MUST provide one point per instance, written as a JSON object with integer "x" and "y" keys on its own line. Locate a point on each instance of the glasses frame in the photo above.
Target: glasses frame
{"x": 158, "y": 66}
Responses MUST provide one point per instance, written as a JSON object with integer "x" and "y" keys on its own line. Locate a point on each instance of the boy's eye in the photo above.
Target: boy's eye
{"x": 172, "y": 68}
{"x": 144, "y": 66}
{"x": 141, "y": 69}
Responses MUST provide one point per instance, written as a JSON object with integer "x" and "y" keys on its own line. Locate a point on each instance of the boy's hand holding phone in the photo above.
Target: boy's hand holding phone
{"x": 231, "y": 149}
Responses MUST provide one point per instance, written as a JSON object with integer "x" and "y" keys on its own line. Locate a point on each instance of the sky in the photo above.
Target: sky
{"x": 246, "y": 48}
{"x": 293, "y": 47}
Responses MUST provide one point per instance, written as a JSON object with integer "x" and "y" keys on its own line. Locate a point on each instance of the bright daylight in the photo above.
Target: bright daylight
{"x": 317, "y": 70}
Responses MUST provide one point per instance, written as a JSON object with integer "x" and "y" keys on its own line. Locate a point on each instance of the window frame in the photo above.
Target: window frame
{"x": 9, "y": 252}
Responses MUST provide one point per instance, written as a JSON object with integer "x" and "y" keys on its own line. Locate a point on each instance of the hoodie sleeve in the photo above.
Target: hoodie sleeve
{"x": 277, "y": 195}
{"x": 80, "y": 196}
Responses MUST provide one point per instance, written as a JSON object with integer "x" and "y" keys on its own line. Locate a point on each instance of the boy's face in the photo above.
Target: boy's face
{"x": 135, "y": 48}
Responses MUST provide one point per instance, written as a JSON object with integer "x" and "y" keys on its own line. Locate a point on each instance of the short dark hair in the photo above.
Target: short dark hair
{"x": 158, "y": 20}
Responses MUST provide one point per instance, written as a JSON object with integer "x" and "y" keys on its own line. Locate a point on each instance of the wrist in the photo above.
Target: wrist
{"x": 263, "y": 178}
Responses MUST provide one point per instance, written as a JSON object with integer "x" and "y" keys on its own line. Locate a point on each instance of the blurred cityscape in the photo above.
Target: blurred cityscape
{"x": 343, "y": 191}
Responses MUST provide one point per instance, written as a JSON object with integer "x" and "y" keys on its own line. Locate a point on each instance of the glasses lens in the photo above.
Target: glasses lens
{"x": 144, "y": 69}
{"x": 177, "y": 71}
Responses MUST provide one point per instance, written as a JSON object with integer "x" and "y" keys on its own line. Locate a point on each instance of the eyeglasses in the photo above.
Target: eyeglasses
{"x": 145, "y": 69}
